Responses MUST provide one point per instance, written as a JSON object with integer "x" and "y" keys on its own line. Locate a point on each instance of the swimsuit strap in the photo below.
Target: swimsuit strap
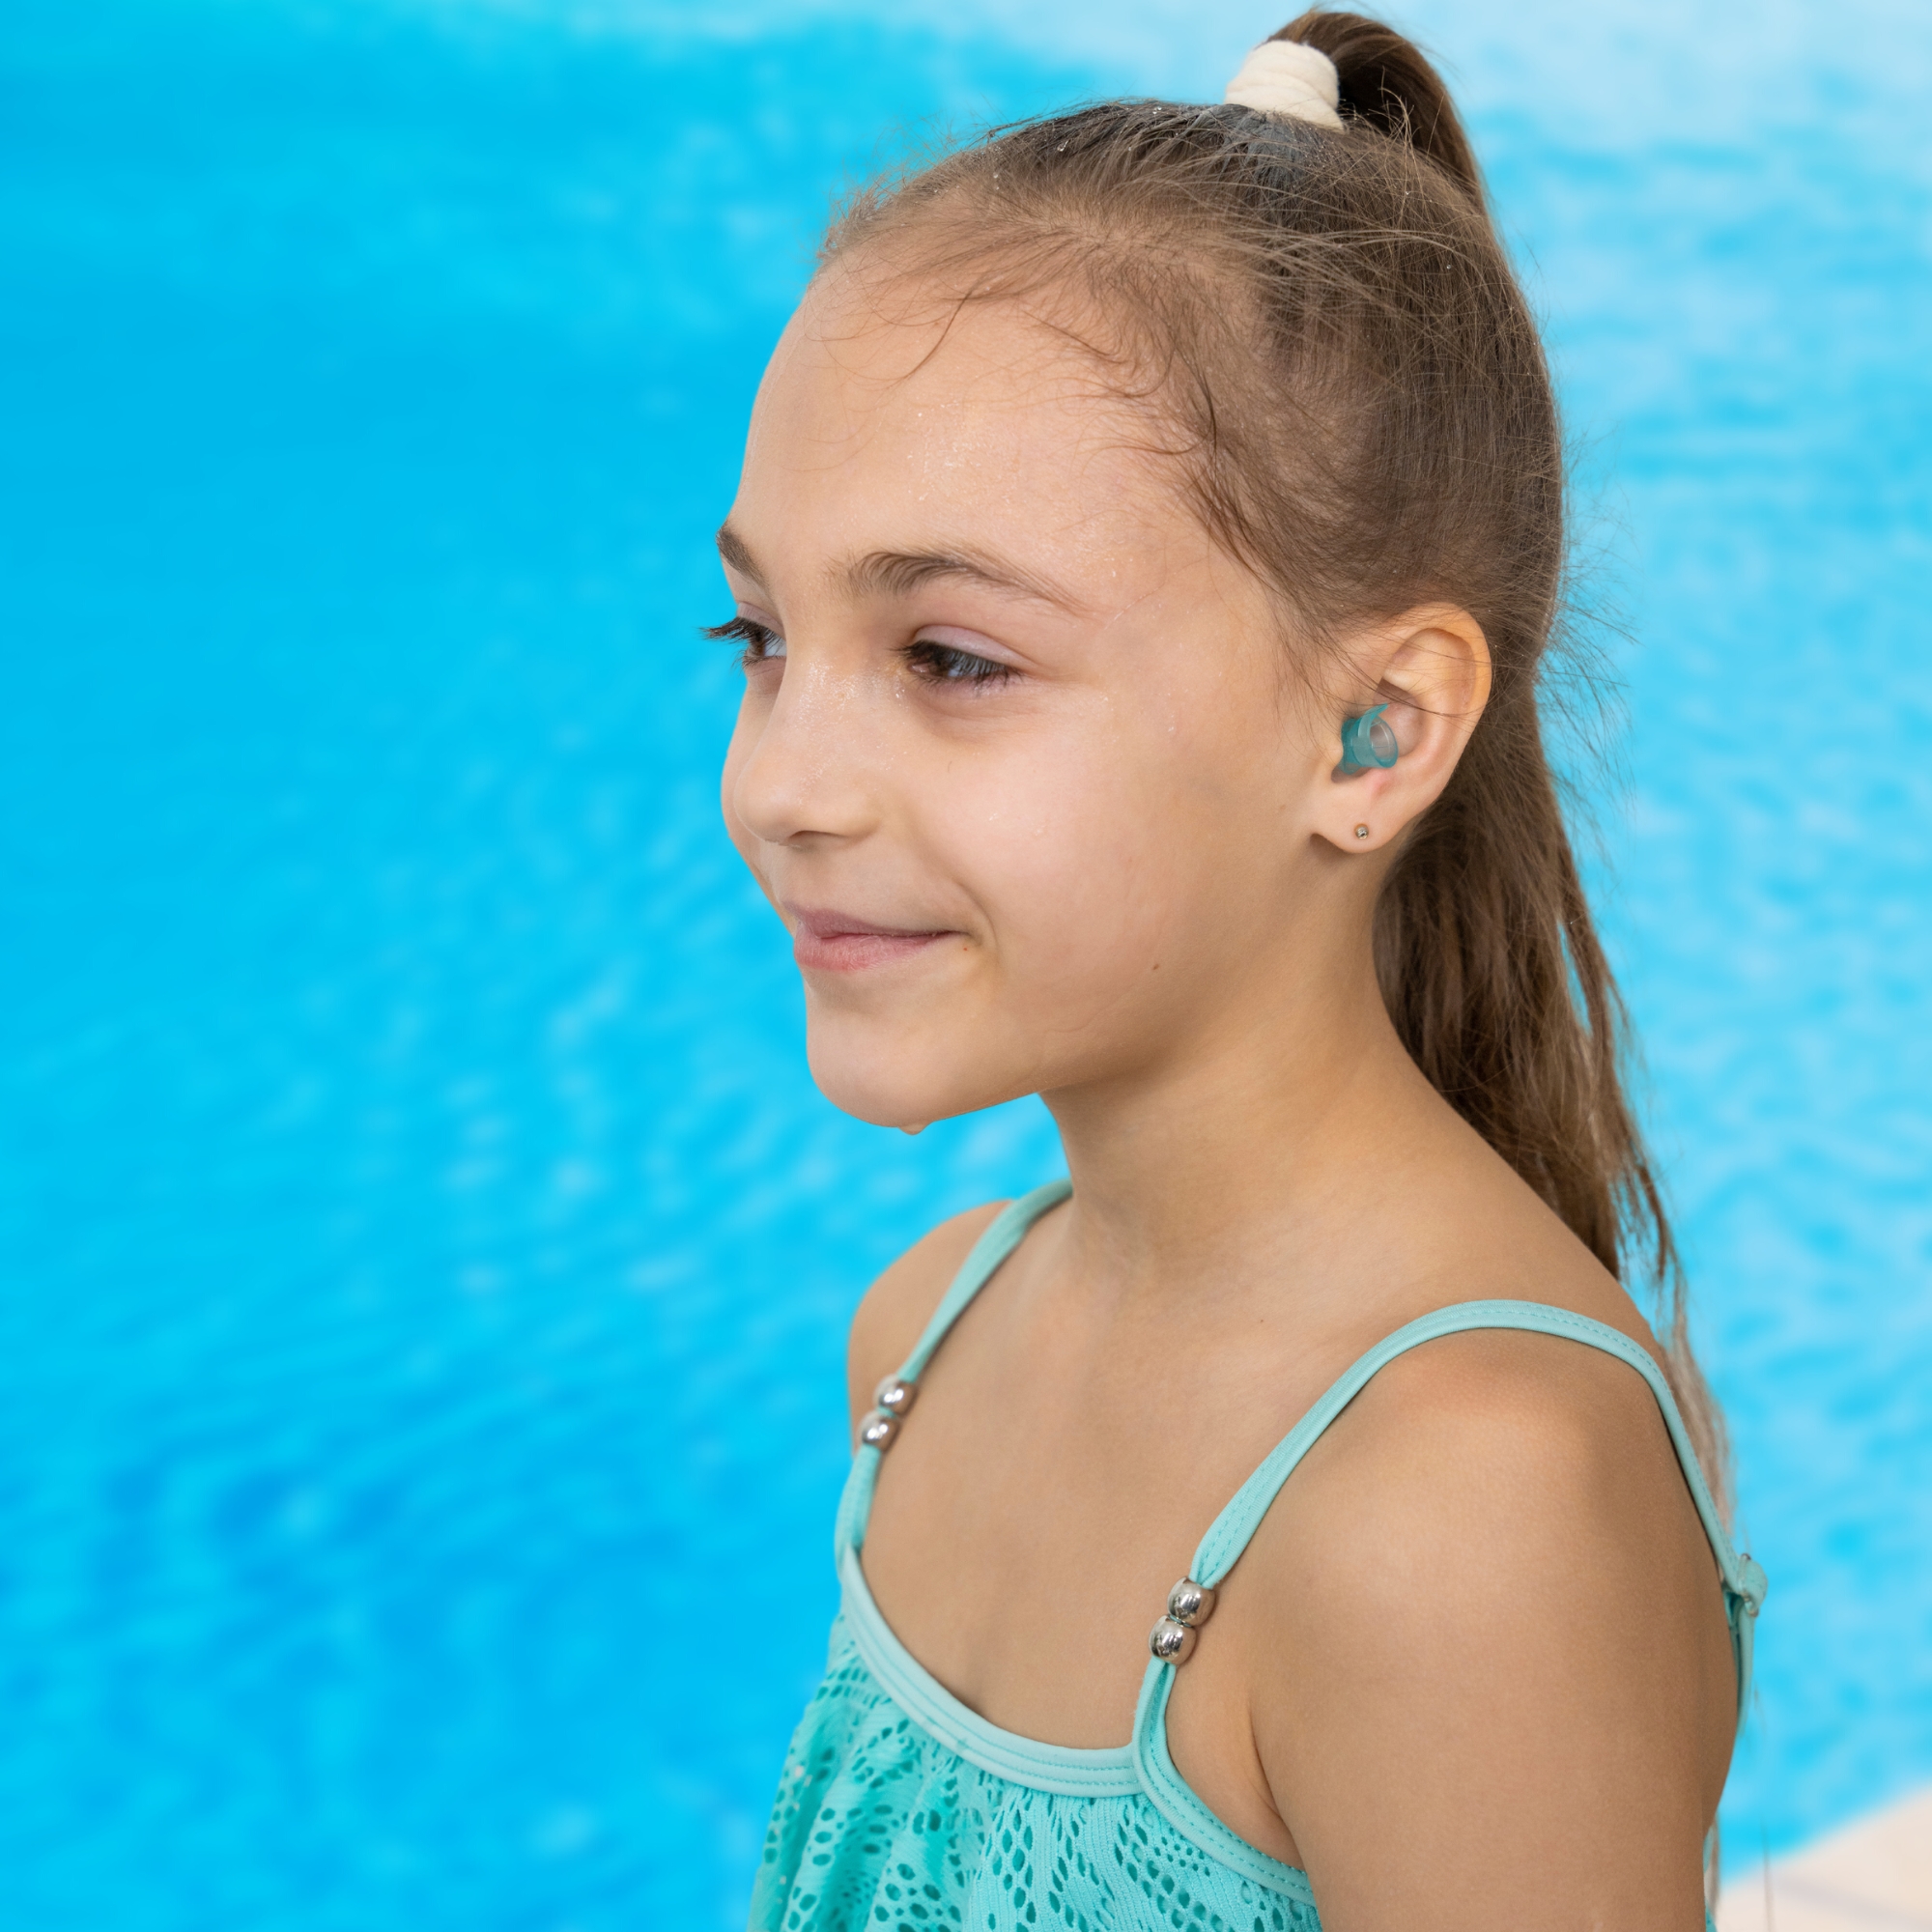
{"x": 1004, "y": 1232}
{"x": 1169, "y": 1793}
{"x": 1743, "y": 1580}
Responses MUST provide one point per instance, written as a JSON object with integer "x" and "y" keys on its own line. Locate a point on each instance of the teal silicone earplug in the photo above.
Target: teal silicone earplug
{"x": 1366, "y": 741}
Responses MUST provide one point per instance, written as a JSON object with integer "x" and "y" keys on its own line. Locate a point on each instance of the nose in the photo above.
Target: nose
{"x": 802, "y": 766}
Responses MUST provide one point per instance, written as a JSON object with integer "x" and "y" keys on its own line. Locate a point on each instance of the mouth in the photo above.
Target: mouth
{"x": 824, "y": 940}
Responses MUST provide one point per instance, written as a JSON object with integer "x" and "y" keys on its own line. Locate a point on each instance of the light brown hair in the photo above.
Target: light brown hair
{"x": 1327, "y": 337}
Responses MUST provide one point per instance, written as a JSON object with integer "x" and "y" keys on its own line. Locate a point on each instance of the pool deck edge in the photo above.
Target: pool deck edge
{"x": 1873, "y": 1875}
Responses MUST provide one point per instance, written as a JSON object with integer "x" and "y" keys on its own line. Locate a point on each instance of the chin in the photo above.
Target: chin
{"x": 900, "y": 1083}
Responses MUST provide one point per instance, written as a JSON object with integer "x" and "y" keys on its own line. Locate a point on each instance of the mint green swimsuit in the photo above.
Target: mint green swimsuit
{"x": 901, "y": 1810}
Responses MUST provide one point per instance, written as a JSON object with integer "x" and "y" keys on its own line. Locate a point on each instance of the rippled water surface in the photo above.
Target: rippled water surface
{"x": 422, "y": 1256}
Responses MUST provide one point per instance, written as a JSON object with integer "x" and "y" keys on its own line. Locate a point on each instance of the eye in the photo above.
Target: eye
{"x": 935, "y": 662}
{"x": 758, "y": 643}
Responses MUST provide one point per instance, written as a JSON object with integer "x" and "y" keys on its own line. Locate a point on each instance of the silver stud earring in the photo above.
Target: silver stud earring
{"x": 1362, "y": 831}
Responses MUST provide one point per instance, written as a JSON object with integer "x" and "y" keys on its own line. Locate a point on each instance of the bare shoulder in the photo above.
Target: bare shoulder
{"x": 893, "y": 1313}
{"x": 1489, "y": 1616}
{"x": 1494, "y": 1465}
{"x": 1486, "y": 1402}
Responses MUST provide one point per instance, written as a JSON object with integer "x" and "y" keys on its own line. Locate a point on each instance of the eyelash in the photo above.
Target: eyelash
{"x": 946, "y": 664}
{"x": 755, "y": 641}
{"x": 931, "y": 662}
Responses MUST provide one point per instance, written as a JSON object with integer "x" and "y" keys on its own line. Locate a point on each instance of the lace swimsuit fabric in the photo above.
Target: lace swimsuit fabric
{"x": 901, "y": 1810}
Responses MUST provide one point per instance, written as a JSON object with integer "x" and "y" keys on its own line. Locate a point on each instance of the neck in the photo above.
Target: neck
{"x": 1273, "y": 1137}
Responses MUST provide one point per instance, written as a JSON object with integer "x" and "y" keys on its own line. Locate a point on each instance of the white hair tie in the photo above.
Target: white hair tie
{"x": 1286, "y": 77}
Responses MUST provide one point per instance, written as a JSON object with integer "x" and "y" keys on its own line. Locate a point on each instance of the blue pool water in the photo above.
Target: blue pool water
{"x": 423, "y": 1258}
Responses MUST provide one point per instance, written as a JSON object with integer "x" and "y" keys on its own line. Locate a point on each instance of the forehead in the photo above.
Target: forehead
{"x": 894, "y": 404}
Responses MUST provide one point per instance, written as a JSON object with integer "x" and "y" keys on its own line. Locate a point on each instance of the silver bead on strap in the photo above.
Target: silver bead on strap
{"x": 878, "y": 1429}
{"x": 1170, "y": 1641}
{"x": 1190, "y": 1602}
{"x": 1189, "y": 1605}
{"x": 890, "y": 1400}
{"x": 894, "y": 1396}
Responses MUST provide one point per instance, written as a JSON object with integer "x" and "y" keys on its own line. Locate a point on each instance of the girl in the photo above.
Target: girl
{"x": 1150, "y": 530}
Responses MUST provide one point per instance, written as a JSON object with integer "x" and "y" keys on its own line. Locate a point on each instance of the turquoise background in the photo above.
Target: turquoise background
{"x": 423, "y": 1258}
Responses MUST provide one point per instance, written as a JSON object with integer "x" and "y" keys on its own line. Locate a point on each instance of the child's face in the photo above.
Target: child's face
{"x": 1021, "y": 765}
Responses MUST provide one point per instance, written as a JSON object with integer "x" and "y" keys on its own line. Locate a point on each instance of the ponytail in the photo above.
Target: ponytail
{"x": 1387, "y": 85}
{"x": 1488, "y": 960}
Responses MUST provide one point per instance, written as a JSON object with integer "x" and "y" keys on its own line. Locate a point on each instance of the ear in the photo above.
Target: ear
{"x": 1430, "y": 666}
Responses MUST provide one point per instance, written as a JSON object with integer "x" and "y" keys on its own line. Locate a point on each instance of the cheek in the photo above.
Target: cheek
{"x": 1096, "y": 866}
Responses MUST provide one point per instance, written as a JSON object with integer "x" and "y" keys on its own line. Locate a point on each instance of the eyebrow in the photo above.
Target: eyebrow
{"x": 735, "y": 552}
{"x": 897, "y": 572}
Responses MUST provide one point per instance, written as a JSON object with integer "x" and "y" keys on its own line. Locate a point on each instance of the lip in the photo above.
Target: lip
{"x": 826, "y": 940}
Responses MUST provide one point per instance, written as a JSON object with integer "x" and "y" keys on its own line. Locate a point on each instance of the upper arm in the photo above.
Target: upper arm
{"x": 893, "y": 1315}
{"x": 1500, "y": 1687}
